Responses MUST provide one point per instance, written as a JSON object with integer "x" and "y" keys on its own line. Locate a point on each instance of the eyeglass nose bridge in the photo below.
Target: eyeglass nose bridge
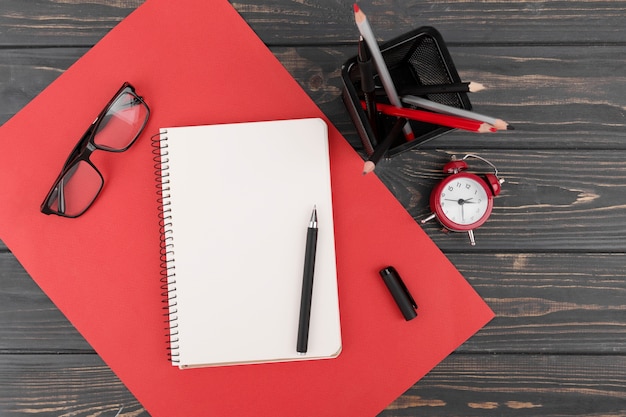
{"x": 83, "y": 155}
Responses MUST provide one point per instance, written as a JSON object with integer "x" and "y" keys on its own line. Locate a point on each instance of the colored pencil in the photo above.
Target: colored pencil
{"x": 367, "y": 83}
{"x": 455, "y": 111}
{"x": 383, "y": 72}
{"x": 383, "y": 146}
{"x": 420, "y": 90}
{"x": 454, "y": 122}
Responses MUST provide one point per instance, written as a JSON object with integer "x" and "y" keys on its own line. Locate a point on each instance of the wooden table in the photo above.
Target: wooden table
{"x": 550, "y": 261}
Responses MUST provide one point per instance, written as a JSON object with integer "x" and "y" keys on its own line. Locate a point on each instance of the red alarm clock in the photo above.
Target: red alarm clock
{"x": 463, "y": 201}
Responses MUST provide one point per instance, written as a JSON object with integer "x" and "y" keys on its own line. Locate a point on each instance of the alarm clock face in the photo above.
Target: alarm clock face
{"x": 462, "y": 202}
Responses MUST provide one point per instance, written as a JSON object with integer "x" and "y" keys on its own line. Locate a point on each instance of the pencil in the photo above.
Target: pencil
{"x": 420, "y": 90}
{"x": 455, "y": 111}
{"x": 383, "y": 146}
{"x": 454, "y": 122}
{"x": 367, "y": 84}
{"x": 379, "y": 62}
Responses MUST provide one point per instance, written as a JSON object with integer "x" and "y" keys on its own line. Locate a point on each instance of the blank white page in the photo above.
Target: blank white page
{"x": 241, "y": 196}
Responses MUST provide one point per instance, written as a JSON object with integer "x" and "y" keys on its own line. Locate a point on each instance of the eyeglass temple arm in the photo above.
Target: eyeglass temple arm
{"x": 61, "y": 197}
{"x": 61, "y": 186}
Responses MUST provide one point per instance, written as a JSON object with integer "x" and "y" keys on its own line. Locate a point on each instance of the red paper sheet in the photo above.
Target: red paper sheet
{"x": 198, "y": 62}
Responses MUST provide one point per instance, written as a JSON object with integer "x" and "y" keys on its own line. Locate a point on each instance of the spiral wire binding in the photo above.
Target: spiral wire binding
{"x": 168, "y": 273}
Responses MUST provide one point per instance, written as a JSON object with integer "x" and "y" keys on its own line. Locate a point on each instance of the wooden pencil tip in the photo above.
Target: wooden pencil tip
{"x": 509, "y": 127}
{"x": 356, "y": 8}
{"x": 475, "y": 87}
{"x": 501, "y": 125}
{"x": 486, "y": 128}
{"x": 368, "y": 167}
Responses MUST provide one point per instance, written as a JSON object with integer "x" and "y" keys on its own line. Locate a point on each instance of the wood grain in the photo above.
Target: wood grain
{"x": 554, "y": 96}
{"x": 62, "y": 386}
{"x": 550, "y": 261}
{"x": 55, "y": 23}
{"x": 292, "y": 22}
{"x": 24, "y": 73}
{"x": 467, "y": 385}
{"x": 29, "y": 321}
{"x": 540, "y": 305}
{"x": 548, "y": 178}
{"x": 582, "y": 201}
{"x": 518, "y": 385}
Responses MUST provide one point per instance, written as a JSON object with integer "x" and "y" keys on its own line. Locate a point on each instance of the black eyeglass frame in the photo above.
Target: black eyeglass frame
{"x": 86, "y": 146}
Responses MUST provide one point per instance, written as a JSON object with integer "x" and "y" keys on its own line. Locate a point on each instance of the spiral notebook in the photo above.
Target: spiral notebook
{"x": 236, "y": 204}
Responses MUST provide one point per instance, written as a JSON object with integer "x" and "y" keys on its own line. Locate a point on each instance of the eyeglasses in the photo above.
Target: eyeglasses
{"x": 115, "y": 129}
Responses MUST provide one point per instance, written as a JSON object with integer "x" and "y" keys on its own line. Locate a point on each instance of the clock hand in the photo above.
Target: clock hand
{"x": 461, "y": 201}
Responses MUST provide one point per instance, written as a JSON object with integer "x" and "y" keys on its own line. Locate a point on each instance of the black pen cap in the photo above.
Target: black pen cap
{"x": 400, "y": 292}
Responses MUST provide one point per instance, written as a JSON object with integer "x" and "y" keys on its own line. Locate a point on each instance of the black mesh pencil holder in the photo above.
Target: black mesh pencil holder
{"x": 415, "y": 59}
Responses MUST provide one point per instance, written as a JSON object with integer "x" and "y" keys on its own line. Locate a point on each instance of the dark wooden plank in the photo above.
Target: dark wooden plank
{"x": 24, "y": 73}
{"x": 550, "y": 303}
{"x": 62, "y": 385}
{"x": 280, "y": 22}
{"x": 556, "y": 197}
{"x": 29, "y": 321}
{"x": 556, "y": 97}
{"x": 467, "y": 385}
{"x": 551, "y": 200}
{"x": 50, "y": 22}
{"x": 514, "y": 22}
{"x": 518, "y": 385}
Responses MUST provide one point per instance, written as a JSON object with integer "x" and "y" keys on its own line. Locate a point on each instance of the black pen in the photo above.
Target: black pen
{"x": 307, "y": 285}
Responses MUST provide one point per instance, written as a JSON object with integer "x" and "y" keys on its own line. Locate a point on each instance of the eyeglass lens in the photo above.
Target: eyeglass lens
{"x": 82, "y": 182}
{"x": 121, "y": 123}
{"x": 76, "y": 190}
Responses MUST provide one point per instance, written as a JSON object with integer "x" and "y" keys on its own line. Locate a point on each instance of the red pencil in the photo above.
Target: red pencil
{"x": 454, "y": 122}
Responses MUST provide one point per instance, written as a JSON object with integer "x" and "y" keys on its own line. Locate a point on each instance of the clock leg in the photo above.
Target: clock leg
{"x": 432, "y": 216}
{"x": 471, "y": 237}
